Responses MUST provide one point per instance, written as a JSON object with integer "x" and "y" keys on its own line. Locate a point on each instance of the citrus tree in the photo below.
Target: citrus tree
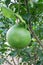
{"x": 21, "y": 31}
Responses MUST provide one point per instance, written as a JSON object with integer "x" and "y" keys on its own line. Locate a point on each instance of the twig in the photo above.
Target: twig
{"x": 19, "y": 7}
{"x": 18, "y": 61}
{"x": 13, "y": 61}
{"x": 7, "y": 61}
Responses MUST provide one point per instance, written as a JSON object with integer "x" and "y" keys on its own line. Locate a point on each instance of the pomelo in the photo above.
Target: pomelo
{"x": 18, "y": 37}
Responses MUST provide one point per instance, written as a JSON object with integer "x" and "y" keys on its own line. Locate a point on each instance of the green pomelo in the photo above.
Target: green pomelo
{"x": 18, "y": 37}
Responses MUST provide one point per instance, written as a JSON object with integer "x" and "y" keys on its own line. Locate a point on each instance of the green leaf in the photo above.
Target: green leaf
{"x": 1, "y": 25}
{"x": 8, "y": 13}
{"x": 40, "y": 0}
{"x": 1, "y": 30}
{"x": 13, "y": 53}
{"x": 7, "y": 2}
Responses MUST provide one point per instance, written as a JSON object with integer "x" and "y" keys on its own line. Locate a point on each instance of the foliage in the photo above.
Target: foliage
{"x": 27, "y": 11}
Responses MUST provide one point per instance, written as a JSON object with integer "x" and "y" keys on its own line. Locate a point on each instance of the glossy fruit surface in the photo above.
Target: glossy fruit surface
{"x": 18, "y": 37}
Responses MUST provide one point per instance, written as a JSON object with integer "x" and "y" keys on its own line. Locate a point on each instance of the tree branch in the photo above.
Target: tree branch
{"x": 13, "y": 61}
{"x": 7, "y": 61}
{"x": 26, "y": 4}
{"x": 35, "y": 36}
{"x": 30, "y": 26}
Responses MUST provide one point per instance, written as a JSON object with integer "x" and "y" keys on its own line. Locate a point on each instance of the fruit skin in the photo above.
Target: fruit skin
{"x": 18, "y": 37}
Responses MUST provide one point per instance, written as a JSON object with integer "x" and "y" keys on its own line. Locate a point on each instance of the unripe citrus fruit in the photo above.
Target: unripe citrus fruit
{"x": 18, "y": 37}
